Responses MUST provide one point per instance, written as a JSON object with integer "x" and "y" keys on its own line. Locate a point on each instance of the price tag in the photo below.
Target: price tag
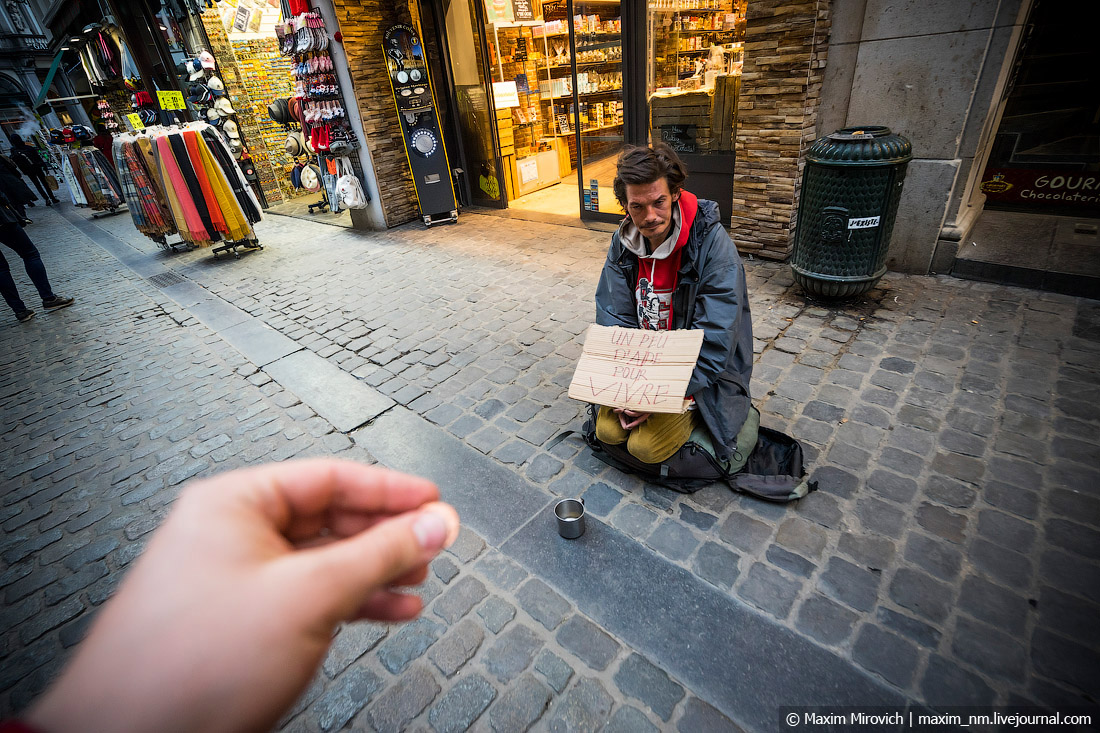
{"x": 135, "y": 122}
{"x": 171, "y": 100}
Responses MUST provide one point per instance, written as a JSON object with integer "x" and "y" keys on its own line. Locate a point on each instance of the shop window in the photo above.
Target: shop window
{"x": 696, "y": 49}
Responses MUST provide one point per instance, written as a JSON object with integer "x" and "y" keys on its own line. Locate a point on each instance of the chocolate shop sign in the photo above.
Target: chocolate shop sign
{"x": 1043, "y": 188}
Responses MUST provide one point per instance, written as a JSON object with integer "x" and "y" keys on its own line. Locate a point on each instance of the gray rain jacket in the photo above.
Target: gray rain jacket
{"x": 711, "y": 295}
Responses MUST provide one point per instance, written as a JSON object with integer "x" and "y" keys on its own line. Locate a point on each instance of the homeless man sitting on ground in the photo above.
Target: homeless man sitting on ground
{"x": 672, "y": 265}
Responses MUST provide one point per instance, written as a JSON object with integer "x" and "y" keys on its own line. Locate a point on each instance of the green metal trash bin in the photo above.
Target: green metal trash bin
{"x": 849, "y": 200}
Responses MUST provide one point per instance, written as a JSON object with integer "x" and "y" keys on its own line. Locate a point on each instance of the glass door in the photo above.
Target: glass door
{"x": 482, "y": 181}
{"x": 597, "y": 115}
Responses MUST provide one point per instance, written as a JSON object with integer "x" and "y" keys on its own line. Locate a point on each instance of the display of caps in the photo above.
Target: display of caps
{"x": 216, "y": 85}
{"x": 83, "y": 133}
{"x": 67, "y": 135}
{"x": 224, "y": 107}
{"x": 230, "y": 128}
{"x": 207, "y": 60}
{"x": 56, "y": 137}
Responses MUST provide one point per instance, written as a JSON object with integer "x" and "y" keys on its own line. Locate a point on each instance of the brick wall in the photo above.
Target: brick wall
{"x": 362, "y": 23}
{"x": 785, "y": 50}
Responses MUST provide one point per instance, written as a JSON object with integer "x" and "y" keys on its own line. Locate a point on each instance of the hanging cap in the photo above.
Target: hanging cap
{"x": 199, "y": 94}
{"x": 224, "y": 107}
{"x": 231, "y": 130}
{"x": 216, "y": 85}
{"x": 195, "y": 69}
{"x": 213, "y": 116}
{"x": 236, "y": 147}
{"x": 207, "y": 60}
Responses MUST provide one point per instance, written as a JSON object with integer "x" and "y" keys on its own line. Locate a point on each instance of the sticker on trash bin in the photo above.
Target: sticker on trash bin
{"x": 865, "y": 223}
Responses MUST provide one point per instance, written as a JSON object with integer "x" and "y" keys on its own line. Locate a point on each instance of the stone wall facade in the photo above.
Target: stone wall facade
{"x": 785, "y": 52}
{"x": 362, "y": 23}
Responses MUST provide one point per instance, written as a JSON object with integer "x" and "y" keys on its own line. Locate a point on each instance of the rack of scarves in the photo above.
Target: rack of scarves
{"x": 184, "y": 180}
{"x": 91, "y": 179}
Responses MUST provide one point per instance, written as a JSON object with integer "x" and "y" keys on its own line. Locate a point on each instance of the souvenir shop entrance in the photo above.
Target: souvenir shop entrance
{"x": 544, "y": 96}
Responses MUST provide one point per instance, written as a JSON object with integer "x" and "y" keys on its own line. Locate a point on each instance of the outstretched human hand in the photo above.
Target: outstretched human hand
{"x": 225, "y": 617}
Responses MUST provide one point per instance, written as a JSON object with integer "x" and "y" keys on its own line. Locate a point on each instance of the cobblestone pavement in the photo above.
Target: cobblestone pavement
{"x": 950, "y": 556}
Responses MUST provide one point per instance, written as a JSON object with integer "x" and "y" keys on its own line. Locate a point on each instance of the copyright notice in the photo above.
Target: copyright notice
{"x": 844, "y": 719}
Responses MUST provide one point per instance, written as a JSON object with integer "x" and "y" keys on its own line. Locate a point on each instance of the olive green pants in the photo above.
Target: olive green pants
{"x": 655, "y": 440}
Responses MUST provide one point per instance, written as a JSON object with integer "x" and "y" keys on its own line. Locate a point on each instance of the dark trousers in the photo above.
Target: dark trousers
{"x": 14, "y": 236}
{"x": 39, "y": 178}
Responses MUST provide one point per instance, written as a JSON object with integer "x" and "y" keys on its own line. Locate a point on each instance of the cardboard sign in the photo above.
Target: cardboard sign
{"x": 135, "y": 122}
{"x": 171, "y": 100}
{"x": 636, "y": 368}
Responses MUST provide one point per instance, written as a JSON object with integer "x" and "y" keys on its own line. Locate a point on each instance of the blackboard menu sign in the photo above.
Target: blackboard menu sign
{"x": 680, "y": 138}
{"x": 523, "y": 10}
{"x": 554, "y": 10}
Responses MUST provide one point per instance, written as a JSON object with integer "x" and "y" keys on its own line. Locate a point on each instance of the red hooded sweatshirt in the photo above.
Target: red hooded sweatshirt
{"x": 657, "y": 271}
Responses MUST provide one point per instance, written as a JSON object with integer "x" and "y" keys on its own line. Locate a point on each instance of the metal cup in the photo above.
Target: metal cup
{"x": 570, "y": 516}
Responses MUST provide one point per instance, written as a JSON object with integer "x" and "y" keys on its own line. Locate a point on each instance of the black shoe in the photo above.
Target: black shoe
{"x": 26, "y": 221}
{"x": 57, "y": 302}
{"x": 49, "y": 203}
{"x": 25, "y": 316}
{"x": 57, "y": 201}
{"x": 31, "y": 204}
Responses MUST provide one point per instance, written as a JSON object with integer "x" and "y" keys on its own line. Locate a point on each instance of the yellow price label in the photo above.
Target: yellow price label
{"x": 171, "y": 100}
{"x": 135, "y": 122}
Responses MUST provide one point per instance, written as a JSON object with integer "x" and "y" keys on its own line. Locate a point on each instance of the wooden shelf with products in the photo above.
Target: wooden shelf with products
{"x": 684, "y": 11}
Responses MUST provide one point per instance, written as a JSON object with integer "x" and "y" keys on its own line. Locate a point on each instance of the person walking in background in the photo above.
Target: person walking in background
{"x": 12, "y": 234}
{"x": 30, "y": 162}
{"x": 15, "y": 188}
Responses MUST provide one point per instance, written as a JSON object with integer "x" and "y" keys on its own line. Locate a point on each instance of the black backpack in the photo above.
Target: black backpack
{"x": 773, "y": 470}
{"x": 22, "y": 160}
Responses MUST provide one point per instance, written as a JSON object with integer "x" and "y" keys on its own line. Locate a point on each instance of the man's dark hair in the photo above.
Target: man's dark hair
{"x": 639, "y": 166}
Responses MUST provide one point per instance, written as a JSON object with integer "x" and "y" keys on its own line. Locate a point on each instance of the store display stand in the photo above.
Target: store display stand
{"x": 110, "y": 212}
{"x": 163, "y": 243}
{"x": 323, "y": 204}
{"x": 245, "y": 245}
